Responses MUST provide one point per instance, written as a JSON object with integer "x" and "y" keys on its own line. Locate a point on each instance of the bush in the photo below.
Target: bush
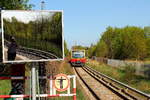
{"x": 129, "y": 74}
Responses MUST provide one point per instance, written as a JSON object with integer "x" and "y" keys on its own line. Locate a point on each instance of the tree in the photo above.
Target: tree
{"x": 134, "y": 43}
{"x": 147, "y": 34}
{"x": 66, "y": 51}
{"x": 91, "y": 51}
{"x": 101, "y": 49}
{"x": 56, "y": 23}
{"x": 107, "y": 37}
{"x": 15, "y": 4}
{"x": 129, "y": 42}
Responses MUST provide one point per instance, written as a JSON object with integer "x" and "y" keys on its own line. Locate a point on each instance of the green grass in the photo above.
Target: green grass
{"x": 126, "y": 75}
{"x": 147, "y": 62}
{"x": 4, "y": 87}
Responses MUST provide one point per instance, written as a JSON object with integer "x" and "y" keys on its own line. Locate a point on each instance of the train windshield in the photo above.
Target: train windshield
{"x": 78, "y": 54}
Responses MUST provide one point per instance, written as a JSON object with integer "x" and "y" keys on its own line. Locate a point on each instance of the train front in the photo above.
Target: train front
{"x": 78, "y": 58}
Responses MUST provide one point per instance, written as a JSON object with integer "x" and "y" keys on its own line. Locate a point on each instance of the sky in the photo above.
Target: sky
{"x": 86, "y": 20}
{"x": 25, "y": 16}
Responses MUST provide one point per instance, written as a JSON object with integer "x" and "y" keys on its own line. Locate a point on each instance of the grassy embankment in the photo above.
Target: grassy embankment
{"x": 126, "y": 75}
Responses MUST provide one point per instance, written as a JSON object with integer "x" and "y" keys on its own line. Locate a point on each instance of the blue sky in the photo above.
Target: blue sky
{"x": 86, "y": 20}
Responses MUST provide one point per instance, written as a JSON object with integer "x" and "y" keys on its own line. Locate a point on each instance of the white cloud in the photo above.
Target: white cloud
{"x": 25, "y": 16}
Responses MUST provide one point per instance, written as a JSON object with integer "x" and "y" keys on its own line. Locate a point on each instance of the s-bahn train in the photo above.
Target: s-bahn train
{"x": 78, "y": 58}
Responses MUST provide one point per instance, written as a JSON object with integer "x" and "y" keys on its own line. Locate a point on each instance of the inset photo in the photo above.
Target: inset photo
{"x": 30, "y": 36}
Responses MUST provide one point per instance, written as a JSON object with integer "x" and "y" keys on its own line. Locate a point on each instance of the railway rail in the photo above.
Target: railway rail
{"x": 33, "y": 53}
{"x": 122, "y": 91}
{"x": 37, "y": 53}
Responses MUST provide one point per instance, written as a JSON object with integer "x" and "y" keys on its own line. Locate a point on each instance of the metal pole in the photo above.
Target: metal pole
{"x": 33, "y": 71}
{"x": 51, "y": 85}
{"x": 42, "y": 5}
{"x": 30, "y": 79}
{"x": 68, "y": 90}
{"x": 38, "y": 86}
{"x": 74, "y": 88}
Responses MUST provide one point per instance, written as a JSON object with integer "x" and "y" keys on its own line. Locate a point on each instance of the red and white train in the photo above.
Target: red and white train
{"x": 78, "y": 58}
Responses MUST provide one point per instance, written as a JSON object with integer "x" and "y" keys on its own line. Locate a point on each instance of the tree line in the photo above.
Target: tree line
{"x": 45, "y": 33}
{"x": 129, "y": 42}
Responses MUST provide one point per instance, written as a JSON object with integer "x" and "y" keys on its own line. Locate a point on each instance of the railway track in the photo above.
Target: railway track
{"x": 33, "y": 53}
{"x": 29, "y": 52}
{"x": 103, "y": 87}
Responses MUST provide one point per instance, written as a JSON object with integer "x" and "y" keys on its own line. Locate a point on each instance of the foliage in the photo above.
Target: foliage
{"x": 91, "y": 51}
{"x": 45, "y": 33}
{"x": 128, "y": 42}
{"x": 147, "y": 34}
{"x": 15, "y": 4}
{"x": 66, "y": 51}
{"x": 130, "y": 73}
{"x": 103, "y": 51}
{"x": 79, "y": 47}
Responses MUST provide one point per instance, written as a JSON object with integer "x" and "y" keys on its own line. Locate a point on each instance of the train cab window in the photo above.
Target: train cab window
{"x": 78, "y": 55}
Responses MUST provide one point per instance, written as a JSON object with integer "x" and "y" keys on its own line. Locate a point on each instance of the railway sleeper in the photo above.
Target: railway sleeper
{"x": 125, "y": 91}
{"x": 118, "y": 92}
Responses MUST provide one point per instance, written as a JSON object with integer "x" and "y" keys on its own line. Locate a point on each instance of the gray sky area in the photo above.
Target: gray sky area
{"x": 26, "y": 16}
